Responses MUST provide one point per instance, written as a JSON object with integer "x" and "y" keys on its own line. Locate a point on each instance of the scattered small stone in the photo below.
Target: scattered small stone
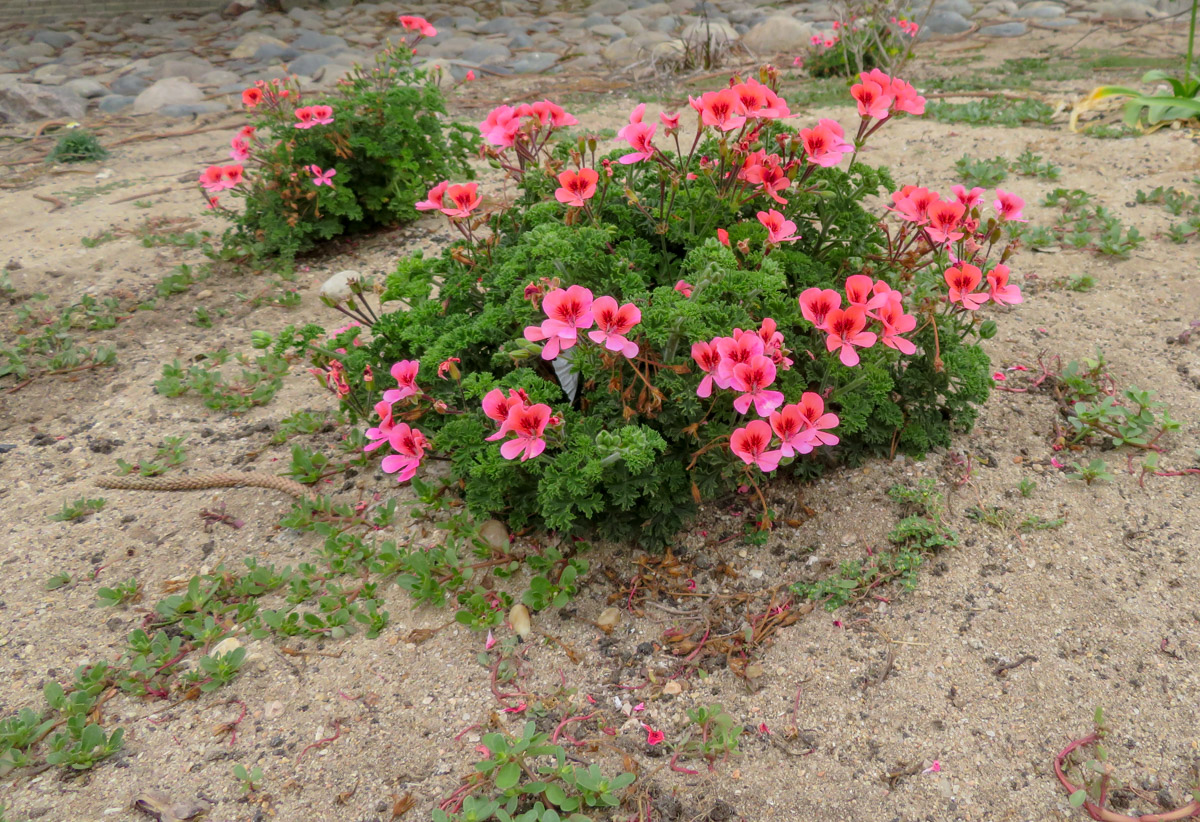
{"x": 493, "y": 531}
{"x": 609, "y": 618}
{"x": 1013, "y": 29}
{"x": 519, "y": 619}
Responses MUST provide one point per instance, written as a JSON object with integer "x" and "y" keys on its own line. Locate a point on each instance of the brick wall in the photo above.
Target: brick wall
{"x": 34, "y": 11}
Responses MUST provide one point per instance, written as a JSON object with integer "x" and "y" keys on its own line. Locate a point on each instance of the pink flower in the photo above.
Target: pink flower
{"x": 322, "y": 178}
{"x": 501, "y": 126}
{"x": 635, "y": 119}
{"x": 753, "y": 378}
{"x": 322, "y": 115}
{"x": 812, "y": 409}
{"x": 896, "y": 322}
{"x": 906, "y": 97}
{"x": 969, "y": 199}
{"x": 707, "y": 358}
{"x": 742, "y": 347}
{"x": 613, "y": 323}
{"x": 722, "y": 109}
{"x": 528, "y": 423}
{"x": 936, "y": 767}
{"x": 669, "y": 121}
{"x": 750, "y": 444}
{"x": 305, "y": 117}
{"x": 232, "y": 175}
{"x": 497, "y": 407}
{"x": 410, "y": 22}
{"x": 793, "y": 430}
{"x": 913, "y": 203}
{"x": 1008, "y": 207}
{"x": 779, "y": 229}
{"x": 816, "y": 304}
{"x": 823, "y": 146}
{"x": 379, "y": 434}
{"x": 723, "y": 237}
{"x": 999, "y": 376}
{"x": 861, "y": 291}
{"x": 213, "y": 179}
{"x": 653, "y": 737}
{"x": 999, "y": 290}
{"x": 447, "y": 367}
{"x": 962, "y": 282}
{"x": 873, "y": 102}
{"x": 570, "y": 311}
{"x": 251, "y": 97}
{"x": 434, "y": 198}
{"x": 639, "y": 135}
{"x": 405, "y": 375}
{"x": 684, "y": 288}
{"x": 490, "y": 642}
{"x": 576, "y": 189}
{"x": 846, "y": 333}
{"x": 944, "y": 218}
{"x": 409, "y": 445}
{"x": 465, "y": 199}
{"x": 766, "y": 172}
{"x": 470, "y": 75}
{"x": 212, "y": 204}
{"x": 240, "y": 150}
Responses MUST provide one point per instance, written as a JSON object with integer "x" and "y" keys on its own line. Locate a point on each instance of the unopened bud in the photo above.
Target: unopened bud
{"x": 260, "y": 339}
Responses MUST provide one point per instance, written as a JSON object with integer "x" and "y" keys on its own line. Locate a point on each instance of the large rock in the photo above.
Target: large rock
{"x": 86, "y": 87}
{"x": 1014, "y": 29}
{"x": 1040, "y": 10}
{"x": 21, "y": 102}
{"x": 129, "y": 84}
{"x": 778, "y": 33}
{"x": 946, "y": 22}
{"x": 192, "y": 69}
{"x": 308, "y": 40}
{"x": 167, "y": 92}
{"x": 250, "y": 43}
{"x": 1122, "y": 10}
{"x": 308, "y": 64}
{"x": 56, "y": 39}
{"x": 534, "y": 62}
{"x": 717, "y": 30}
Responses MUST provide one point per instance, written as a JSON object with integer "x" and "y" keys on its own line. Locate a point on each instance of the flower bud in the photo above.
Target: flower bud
{"x": 260, "y": 339}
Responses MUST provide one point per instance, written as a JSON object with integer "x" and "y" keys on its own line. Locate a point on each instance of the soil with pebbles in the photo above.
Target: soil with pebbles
{"x": 1106, "y": 605}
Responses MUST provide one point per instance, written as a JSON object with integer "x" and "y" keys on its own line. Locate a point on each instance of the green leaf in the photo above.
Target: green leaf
{"x": 1078, "y": 798}
{"x": 508, "y": 776}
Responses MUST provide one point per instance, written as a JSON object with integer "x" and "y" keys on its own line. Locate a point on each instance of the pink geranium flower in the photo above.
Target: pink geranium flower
{"x": 669, "y": 121}
{"x": 380, "y": 433}
{"x": 751, "y": 445}
{"x": 999, "y": 290}
{"x": 765, "y": 171}
{"x": 465, "y": 199}
{"x": 501, "y": 126}
{"x": 779, "y": 229}
{"x": 497, "y": 407}
{"x": 905, "y": 96}
{"x": 304, "y": 116}
{"x": 873, "y": 102}
{"x": 639, "y": 135}
{"x": 684, "y": 288}
{"x": 971, "y": 198}
{"x": 322, "y": 115}
{"x": 528, "y": 423}
{"x": 411, "y": 22}
{"x": 251, "y": 97}
{"x": 896, "y": 322}
{"x": 861, "y": 291}
{"x": 962, "y": 282}
{"x": 575, "y": 189}
{"x": 846, "y": 333}
{"x": 742, "y": 347}
{"x": 944, "y": 218}
{"x": 754, "y": 378}
{"x": 434, "y": 199}
{"x": 613, "y": 323}
{"x": 793, "y": 430}
{"x": 213, "y": 179}
{"x": 653, "y": 737}
{"x": 409, "y": 445}
{"x": 405, "y": 375}
{"x": 816, "y": 304}
{"x": 1009, "y": 206}
{"x": 569, "y": 312}
{"x": 232, "y": 175}
{"x": 322, "y": 178}
{"x": 722, "y": 110}
{"x": 552, "y": 114}
{"x": 823, "y": 146}
{"x": 240, "y": 149}
{"x": 707, "y": 358}
{"x": 723, "y": 237}
{"x": 912, "y": 203}
{"x": 812, "y": 409}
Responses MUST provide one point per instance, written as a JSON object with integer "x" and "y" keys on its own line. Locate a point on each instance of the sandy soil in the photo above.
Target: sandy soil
{"x": 1107, "y": 604}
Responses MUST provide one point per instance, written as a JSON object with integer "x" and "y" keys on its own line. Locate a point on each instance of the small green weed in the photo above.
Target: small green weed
{"x": 1032, "y": 165}
{"x": 249, "y": 780}
{"x": 1084, "y": 226}
{"x": 77, "y": 146}
{"x": 256, "y": 385}
{"x": 986, "y": 173}
{"x": 78, "y": 509}
{"x": 1026, "y": 487}
{"x": 169, "y": 454}
{"x": 98, "y": 239}
{"x": 59, "y": 580}
{"x": 712, "y": 735}
{"x": 992, "y": 111}
{"x": 120, "y": 594}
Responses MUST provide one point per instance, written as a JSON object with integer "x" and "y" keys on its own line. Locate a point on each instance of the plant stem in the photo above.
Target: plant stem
{"x": 1187, "y": 72}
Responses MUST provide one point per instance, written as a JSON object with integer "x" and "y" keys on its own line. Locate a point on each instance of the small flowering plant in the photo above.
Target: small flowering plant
{"x": 864, "y": 37}
{"x": 311, "y": 169}
{"x": 685, "y": 316}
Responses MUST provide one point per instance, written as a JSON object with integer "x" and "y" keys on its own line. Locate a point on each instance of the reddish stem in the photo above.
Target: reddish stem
{"x": 564, "y": 723}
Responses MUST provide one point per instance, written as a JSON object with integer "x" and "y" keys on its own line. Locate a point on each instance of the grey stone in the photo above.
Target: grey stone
{"x": 27, "y": 51}
{"x": 988, "y": 12}
{"x": 167, "y": 92}
{"x": 607, "y": 7}
{"x": 191, "y": 69}
{"x": 593, "y": 20}
{"x": 452, "y": 47}
{"x": 268, "y": 52}
{"x": 55, "y": 39}
{"x": 114, "y": 103}
{"x": 520, "y": 40}
{"x": 608, "y": 30}
{"x": 333, "y": 72}
{"x": 625, "y": 50}
{"x": 221, "y": 77}
{"x": 668, "y": 51}
{"x": 1040, "y": 10}
{"x": 51, "y": 74}
{"x": 190, "y": 109}
{"x": 86, "y": 87}
{"x": 632, "y": 25}
{"x": 534, "y": 62}
{"x": 963, "y": 7}
{"x": 778, "y": 33}
{"x": 1060, "y": 23}
{"x": 501, "y": 25}
{"x": 250, "y": 43}
{"x": 1123, "y": 10}
{"x": 1014, "y": 29}
{"x": 486, "y": 54}
{"x": 718, "y": 31}
{"x": 129, "y": 84}
{"x": 21, "y": 102}
{"x": 665, "y": 24}
{"x": 946, "y": 22}
{"x": 309, "y": 40}
{"x": 309, "y": 63}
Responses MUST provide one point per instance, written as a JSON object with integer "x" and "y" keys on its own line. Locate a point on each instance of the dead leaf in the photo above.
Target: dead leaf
{"x": 160, "y": 805}
{"x": 402, "y": 805}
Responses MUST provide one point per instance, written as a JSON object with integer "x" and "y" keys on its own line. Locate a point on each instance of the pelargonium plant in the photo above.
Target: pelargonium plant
{"x": 309, "y": 170}
{"x": 685, "y": 316}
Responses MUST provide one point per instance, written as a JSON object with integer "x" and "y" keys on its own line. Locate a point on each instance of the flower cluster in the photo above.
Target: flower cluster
{"x": 505, "y": 126}
{"x": 746, "y": 362}
{"x": 309, "y": 116}
{"x": 216, "y": 179}
{"x": 879, "y": 96}
{"x": 845, "y": 328}
{"x": 800, "y": 427}
{"x": 909, "y": 27}
{"x": 408, "y": 443}
{"x": 824, "y": 42}
{"x": 572, "y": 310}
{"x": 518, "y": 416}
{"x": 456, "y": 202}
{"x": 411, "y": 22}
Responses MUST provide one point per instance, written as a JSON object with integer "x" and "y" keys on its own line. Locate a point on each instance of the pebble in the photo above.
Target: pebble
{"x": 1013, "y": 29}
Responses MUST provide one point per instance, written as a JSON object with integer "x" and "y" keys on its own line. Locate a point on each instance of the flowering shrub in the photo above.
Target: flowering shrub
{"x": 311, "y": 170}
{"x": 862, "y": 39}
{"x": 644, "y": 330}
